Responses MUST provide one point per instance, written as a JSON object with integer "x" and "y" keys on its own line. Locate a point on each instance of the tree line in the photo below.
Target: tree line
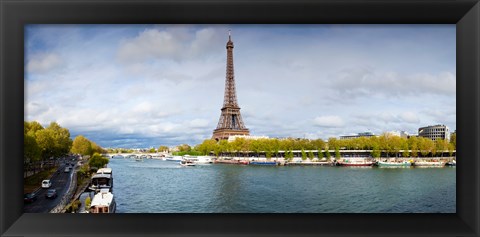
{"x": 44, "y": 145}
{"x": 385, "y": 144}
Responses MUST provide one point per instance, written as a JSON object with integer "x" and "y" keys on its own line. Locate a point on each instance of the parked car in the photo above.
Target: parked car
{"x": 46, "y": 183}
{"x": 51, "y": 193}
{"x": 29, "y": 197}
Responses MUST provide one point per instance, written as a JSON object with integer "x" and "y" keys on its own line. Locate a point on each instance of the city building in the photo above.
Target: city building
{"x": 435, "y": 132}
{"x": 362, "y": 134}
{"x": 401, "y": 134}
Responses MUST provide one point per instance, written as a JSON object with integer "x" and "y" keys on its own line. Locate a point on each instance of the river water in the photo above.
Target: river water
{"x": 156, "y": 186}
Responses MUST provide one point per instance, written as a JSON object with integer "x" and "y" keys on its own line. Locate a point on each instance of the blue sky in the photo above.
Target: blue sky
{"x": 151, "y": 85}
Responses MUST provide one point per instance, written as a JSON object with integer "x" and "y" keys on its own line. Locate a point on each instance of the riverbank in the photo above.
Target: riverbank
{"x": 315, "y": 161}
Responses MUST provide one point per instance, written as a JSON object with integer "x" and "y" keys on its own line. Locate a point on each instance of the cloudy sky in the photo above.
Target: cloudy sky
{"x": 151, "y": 85}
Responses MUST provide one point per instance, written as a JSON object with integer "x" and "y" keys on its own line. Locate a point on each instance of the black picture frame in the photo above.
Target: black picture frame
{"x": 15, "y": 14}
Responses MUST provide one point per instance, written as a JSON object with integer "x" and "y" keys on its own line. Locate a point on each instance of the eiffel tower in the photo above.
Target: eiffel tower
{"x": 230, "y": 122}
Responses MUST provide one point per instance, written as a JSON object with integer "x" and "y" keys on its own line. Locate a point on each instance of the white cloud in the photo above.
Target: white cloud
{"x": 169, "y": 44}
{"x": 328, "y": 121}
{"x": 358, "y": 82}
{"x": 151, "y": 43}
{"x": 409, "y": 117}
{"x": 42, "y": 62}
{"x": 198, "y": 123}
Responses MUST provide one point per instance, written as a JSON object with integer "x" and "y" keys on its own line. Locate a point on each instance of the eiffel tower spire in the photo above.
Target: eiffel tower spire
{"x": 230, "y": 122}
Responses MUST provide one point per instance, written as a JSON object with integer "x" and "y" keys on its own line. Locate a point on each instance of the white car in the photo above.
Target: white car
{"x": 46, "y": 183}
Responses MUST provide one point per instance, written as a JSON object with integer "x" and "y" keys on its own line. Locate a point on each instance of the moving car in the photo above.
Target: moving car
{"x": 29, "y": 197}
{"x": 51, "y": 193}
{"x": 67, "y": 169}
{"x": 46, "y": 183}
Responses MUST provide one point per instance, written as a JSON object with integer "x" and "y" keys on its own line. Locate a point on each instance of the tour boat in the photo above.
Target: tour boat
{"x": 187, "y": 163}
{"x": 103, "y": 202}
{"x": 429, "y": 163}
{"x": 199, "y": 160}
{"x": 355, "y": 162}
{"x": 173, "y": 158}
{"x": 394, "y": 164}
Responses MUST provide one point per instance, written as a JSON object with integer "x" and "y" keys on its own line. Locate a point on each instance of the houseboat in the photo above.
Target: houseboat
{"x": 355, "y": 162}
{"x": 262, "y": 163}
{"x": 394, "y": 163}
{"x": 103, "y": 202}
{"x": 429, "y": 163}
{"x": 103, "y": 179}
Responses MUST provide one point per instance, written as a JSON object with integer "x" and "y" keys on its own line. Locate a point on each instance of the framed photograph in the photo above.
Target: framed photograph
{"x": 240, "y": 118}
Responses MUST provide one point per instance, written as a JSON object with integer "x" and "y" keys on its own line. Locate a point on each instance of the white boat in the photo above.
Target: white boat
{"x": 356, "y": 162}
{"x": 394, "y": 163}
{"x": 186, "y": 163}
{"x": 103, "y": 202}
{"x": 429, "y": 163}
{"x": 199, "y": 160}
{"x": 103, "y": 179}
{"x": 173, "y": 158}
{"x": 104, "y": 171}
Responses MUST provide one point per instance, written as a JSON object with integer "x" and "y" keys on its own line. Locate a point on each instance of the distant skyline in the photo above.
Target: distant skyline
{"x": 141, "y": 86}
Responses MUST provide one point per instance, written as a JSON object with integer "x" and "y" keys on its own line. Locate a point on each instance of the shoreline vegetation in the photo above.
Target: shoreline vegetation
{"x": 385, "y": 146}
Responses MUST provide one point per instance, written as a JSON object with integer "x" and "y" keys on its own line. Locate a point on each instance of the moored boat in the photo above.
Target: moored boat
{"x": 243, "y": 162}
{"x": 173, "y": 158}
{"x": 451, "y": 163}
{"x": 355, "y": 162}
{"x": 103, "y": 179}
{"x": 429, "y": 164}
{"x": 103, "y": 202}
{"x": 262, "y": 163}
{"x": 394, "y": 164}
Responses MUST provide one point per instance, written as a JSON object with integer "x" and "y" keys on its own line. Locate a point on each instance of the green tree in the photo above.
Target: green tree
{"x": 82, "y": 146}
{"x": 451, "y": 147}
{"x": 163, "y": 148}
{"x": 31, "y": 151}
{"x": 184, "y": 147}
{"x": 376, "y": 151}
{"x": 97, "y": 161}
{"x": 320, "y": 153}
{"x": 404, "y": 145}
{"x": 61, "y": 139}
{"x": 310, "y": 155}
{"x": 337, "y": 153}
{"x": 327, "y": 154}
{"x": 46, "y": 143}
{"x": 453, "y": 140}
{"x": 304, "y": 155}
{"x": 88, "y": 202}
{"x": 413, "y": 145}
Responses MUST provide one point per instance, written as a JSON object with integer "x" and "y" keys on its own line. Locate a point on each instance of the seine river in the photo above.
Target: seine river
{"x": 155, "y": 186}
